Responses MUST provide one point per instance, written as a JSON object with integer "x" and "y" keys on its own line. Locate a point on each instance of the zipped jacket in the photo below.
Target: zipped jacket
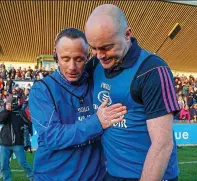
{"x": 69, "y": 148}
{"x": 13, "y": 125}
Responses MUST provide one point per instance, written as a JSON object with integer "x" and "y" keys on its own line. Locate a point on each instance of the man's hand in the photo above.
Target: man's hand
{"x": 110, "y": 115}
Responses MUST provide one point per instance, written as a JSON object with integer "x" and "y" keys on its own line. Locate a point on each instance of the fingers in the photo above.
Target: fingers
{"x": 117, "y": 110}
{"x": 114, "y": 106}
{"x": 117, "y": 120}
{"x": 117, "y": 115}
{"x": 104, "y": 104}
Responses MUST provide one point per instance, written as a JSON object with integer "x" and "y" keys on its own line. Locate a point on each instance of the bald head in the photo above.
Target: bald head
{"x": 106, "y": 16}
{"x": 108, "y": 35}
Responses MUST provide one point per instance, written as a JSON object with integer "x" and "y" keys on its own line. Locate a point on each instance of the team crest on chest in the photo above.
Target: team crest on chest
{"x": 105, "y": 94}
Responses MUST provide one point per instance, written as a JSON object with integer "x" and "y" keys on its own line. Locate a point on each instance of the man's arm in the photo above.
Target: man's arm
{"x": 160, "y": 131}
{"x": 154, "y": 88}
{"x": 55, "y": 135}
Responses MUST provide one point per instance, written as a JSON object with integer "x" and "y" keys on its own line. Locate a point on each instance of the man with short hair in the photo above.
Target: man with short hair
{"x": 61, "y": 108}
{"x": 12, "y": 140}
{"x": 142, "y": 146}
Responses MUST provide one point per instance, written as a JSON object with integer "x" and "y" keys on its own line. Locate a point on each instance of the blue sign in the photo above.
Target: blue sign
{"x": 185, "y": 134}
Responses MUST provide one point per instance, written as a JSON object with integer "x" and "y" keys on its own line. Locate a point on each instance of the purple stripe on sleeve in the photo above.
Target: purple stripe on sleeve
{"x": 172, "y": 90}
{"x": 163, "y": 90}
{"x": 166, "y": 84}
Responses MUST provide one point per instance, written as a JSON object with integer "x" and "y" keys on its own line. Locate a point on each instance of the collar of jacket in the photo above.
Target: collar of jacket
{"x": 130, "y": 58}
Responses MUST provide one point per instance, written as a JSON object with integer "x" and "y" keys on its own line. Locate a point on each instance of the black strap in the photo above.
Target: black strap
{"x": 49, "y": 92}
{"x": 81, "y": 98}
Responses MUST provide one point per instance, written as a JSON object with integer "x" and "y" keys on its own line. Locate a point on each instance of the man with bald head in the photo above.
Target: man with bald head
{"x": 142, "y": 147}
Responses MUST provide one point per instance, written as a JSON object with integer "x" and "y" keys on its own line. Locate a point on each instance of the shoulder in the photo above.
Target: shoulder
{"x": 91, "y": 65}
{"x": 151, "y": 64}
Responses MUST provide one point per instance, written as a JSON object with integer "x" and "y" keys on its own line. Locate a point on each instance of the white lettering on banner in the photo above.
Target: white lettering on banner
{"x": 121, "y": 124}
{"x": 181, "y": 135}
{"x": 83, "y": 109}
{"x": 106, "y": 86}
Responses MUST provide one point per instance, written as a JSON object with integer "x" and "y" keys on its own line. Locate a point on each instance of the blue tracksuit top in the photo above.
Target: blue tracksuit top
{"x": 69, "y": 148}
{"x": 126, "y": 143}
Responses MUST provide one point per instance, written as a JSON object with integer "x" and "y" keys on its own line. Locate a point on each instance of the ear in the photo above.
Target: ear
{"x": 128, "y": 33}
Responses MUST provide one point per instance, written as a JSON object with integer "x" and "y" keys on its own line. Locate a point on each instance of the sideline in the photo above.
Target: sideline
{"x": 183, "y": 163}
{"x": 180, "y": 163}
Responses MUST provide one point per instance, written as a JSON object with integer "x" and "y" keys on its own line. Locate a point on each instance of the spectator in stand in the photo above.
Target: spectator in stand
{"x": 2, "y": 106}
{"x": 179, "y": 87}
{"x": 28, "y": 86}
{"x": 12, "y": 73}
{"x": 4, "y": 73}
{"x": 195, "y": 107}
{"x": 18, "y": 74}
{"x": 190, "y": 97}
{"x": 28, "y": 75}
{"x": 14, "y": 92}
{"x": 20, "y": 70}
{"x": 37, "y": 77}
{"x": 30, "y": 69}
{"x": 17, "y": 91}
{"x": 181, "y": 102}
{"x": 191, "y": 80}
{"x": 195, "y": 83}
{"x": 195, "y": 95}
{"x": 9, "y": 85}
{"x": 2, "y": 85}
{"x": 44, "y": 72}
{"x": 13, "y": 76}
{"x": 24, "y": 70}
{"x": 35, "y": 72}
{"x": 4, "y": 95}
{"x": 25, "y": 96}
{"x": 23, "y": 77}
{"x": 185, "y": 88}
{"x": 193, "y": 113}
{"x": 2, "y": 65}
{"x": 185, "y": 114}
{"x": 17, "y": 78}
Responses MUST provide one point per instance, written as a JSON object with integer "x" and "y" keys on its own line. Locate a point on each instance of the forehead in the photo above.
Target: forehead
{"x": 67, "y": 45}
{"x": 98, "y": 36}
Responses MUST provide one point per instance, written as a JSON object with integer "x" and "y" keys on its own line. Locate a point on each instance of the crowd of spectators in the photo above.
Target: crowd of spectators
{"x": 23, "y": 74}
{"x": 186, "y": 88}
{"x": 9, "y": 86}
{"x": 186, "y": 91}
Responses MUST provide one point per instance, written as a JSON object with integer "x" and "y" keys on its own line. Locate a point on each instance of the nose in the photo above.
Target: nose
{"x": 100, "y": 54}
{"x": 72, "y": 65}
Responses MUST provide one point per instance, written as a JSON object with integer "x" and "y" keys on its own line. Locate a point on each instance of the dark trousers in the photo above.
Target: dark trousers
{"x": 108, "y": 177}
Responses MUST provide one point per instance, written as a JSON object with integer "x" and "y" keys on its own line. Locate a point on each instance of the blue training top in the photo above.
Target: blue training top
{"x": 126, "y": 143}
{"x": 69, "y": 147}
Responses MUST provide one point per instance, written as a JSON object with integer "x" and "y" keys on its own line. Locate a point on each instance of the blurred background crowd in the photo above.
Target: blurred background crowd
{"x": 186, "y": 89}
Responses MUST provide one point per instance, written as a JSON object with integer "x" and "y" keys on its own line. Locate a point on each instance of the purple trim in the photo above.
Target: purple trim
{"x": 167, "y": 89}
{"x": 172, "y": 90}
{"x": 163, "y": 90}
